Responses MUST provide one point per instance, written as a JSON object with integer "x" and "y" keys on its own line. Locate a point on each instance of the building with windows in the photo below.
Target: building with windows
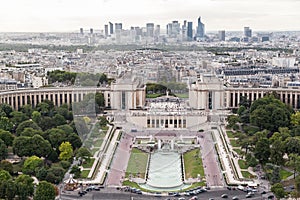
{"x": 221, "y": 35}
{"x": 200, "y": 29}
{"x": 190, "y": 31}
{"x": 111, "y": 28}
{"x": 247, "y": 32}
{"x": 149, "y": 29}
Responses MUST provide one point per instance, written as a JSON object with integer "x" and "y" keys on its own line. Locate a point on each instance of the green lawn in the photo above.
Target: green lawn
{"x": 153, "y": 95}
{"x": 230, "y": 134}
{"x": 246, "y": 174}
{"x": 84, "y": 173}
{"x": 242, "y": 164}
{"x": 131, "y": 184}
{"x": 94, "y": 150}
{"x": 234, "y": 143}
{"x": 284, "y": 174}
{"x": 88, "y": 164}
{"x": 182, "y": 95}
{"x": 137, "y": 163}
{"x": 193, "y": 164}
{"x": 239, "y": 151}
{"x": 98, "y": 143}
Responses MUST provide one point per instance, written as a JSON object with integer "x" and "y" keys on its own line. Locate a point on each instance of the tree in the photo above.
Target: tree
{"x": 270, "y": 113}
{"x": 63, "y": 111}
{"x": 44, "y": 108}
{"x": 41, "y": 174}
{"x": 3, "y": 150}
{"x": 83, "y": 153}
{"x": 76, "y": 171}
{"x": 232, "y": 120}
{"x": 277, "y": 151}
{"x": 74, "y": 140}
{"x": 66, "y": 128}
{"x": 4, "y": 175}
{"x": 278, "y": 190}
{"x": 7, "y": 137}
{"x": 6, "y": 124}
{"x": 31, "y": 164}
{"x": 44, "y": 190}
{"x": 102, "y": 121}
{"x": 11, "y": 190}
{"x": 6, "y": 109}
{"x": 21, "y": 146}
{"x": 55, "y": 175}
{"x": 18, "y": 117}
{"x": 297, "y": 186}
{"x": 30, "y": 132}
{"x": 250, "y": 160}
{"x": 295, "y": 118}
{"x": 262, "y": 150}
{"x": 66, "y": 151}
{"x": 56, "y": 137}
{"x": 25, "y": 187}
{"x": 294, "y": 162}
{"x": 7, "y": 166}
{"x": 40, "y": 146}
{"x": 27, "y": 110}
{"x": 27, "y": 124}
{"x": 36, "y": 116}
{"x": 59, "y": 120}
{"x": 292, "y": 145}
{"x": 46, "y": 123}
{"x": 99, "y": 99}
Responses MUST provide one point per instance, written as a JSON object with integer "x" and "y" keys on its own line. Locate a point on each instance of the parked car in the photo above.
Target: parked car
{"x": 224, "y": 196}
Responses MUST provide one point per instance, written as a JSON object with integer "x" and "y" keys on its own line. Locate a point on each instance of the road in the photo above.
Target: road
{"x": 113, "y": 194}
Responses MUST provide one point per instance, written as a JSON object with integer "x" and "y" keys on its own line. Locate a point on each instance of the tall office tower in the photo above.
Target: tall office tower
{"x": 81, "y": 31}
{"x": 175, "y": 28}
{"x": 118, "y": 26}
{"x": 106, "y": 30}
{"x": 91, "y": 31}
{"x": 190, "y": 31}
{"x": 200, "y": 29}
{"x": 149, "y": 29}
{"x": 247, "y": 32}
{"x": 138, "y": 31}
{"x": 169, "y": 29}
{"x": 184, "y": 31}
{"x": 111, "y": 28}
{"x": 222, "y": 35}
{"x": 157, "y": 31}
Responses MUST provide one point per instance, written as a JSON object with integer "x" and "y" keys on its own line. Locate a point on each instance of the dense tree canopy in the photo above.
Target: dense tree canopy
{"x": 270, "y": 113}
{"x": 7, "y": 137}
{"x": 44, "y": 190}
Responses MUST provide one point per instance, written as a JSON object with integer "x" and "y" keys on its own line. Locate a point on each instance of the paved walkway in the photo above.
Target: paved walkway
{"x": 214, "y": 177}
{"x": 105, "y": 160}
{"x": 120, "y": 161}
{"x": 227, "y": 159}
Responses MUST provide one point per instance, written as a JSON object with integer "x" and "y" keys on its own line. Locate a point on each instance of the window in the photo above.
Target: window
{"x": 123, "y": 103}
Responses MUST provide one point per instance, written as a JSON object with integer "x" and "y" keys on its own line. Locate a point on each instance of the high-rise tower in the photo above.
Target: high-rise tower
{"x": 111, "y": 28}
{"x": 190, "y": 31}
{"x": 247, "y": 32}
{"x": 221, "y": 35}
{"x": 200, "y": 29}
{"x": 150, "y": 29}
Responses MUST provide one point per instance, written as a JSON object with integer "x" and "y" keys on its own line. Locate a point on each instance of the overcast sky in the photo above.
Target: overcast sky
{"x": 70, "y": 15}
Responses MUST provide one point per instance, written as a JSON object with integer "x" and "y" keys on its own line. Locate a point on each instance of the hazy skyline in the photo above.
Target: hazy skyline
{"x": 70, "y": 15}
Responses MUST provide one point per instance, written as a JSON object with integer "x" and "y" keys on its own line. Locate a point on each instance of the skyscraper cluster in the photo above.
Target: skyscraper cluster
{"x": 174, "y": 32}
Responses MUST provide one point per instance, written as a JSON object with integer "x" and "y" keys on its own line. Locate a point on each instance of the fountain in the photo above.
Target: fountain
{"x": 165, "y": 169}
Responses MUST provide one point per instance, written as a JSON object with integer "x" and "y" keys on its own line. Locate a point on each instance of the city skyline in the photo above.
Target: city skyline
{"x": 67, "y": 15}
